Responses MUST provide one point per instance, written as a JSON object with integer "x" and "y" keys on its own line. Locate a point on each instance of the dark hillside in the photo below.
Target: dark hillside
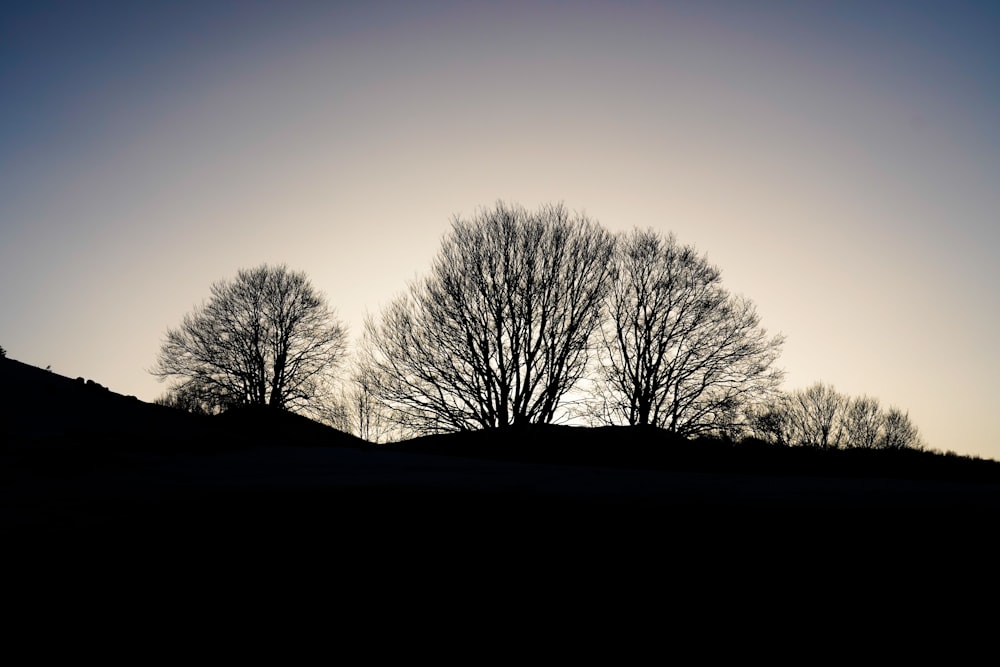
{"x": 42, "y": 410}
{"x": 87, "y": 465}
{"x": 652, "y": 448}
{"x": 265, "y": 427}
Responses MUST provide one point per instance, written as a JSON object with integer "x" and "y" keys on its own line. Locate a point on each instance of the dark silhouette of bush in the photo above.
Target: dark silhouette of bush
{"x": 179, "y": 398}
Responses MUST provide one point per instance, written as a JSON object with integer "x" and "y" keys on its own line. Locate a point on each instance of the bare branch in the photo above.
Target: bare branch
{"x": 500, "y": 329}
{"x": 265, "y": 338}
{"x": 677, "y": 350}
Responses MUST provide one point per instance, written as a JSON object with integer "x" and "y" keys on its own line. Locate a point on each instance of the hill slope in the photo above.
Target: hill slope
{"x": 77, "y": 458}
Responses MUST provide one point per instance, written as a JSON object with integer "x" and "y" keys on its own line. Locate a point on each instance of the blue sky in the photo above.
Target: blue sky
{"x": 838, "y": 160}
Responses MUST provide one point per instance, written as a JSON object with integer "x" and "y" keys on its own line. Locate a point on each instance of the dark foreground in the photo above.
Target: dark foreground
{"x": 100, "y": 487}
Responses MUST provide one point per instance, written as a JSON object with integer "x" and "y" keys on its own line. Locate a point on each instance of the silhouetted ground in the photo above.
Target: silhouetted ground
{"x": 651, "y": 448}
{"x": 86, "y": 471}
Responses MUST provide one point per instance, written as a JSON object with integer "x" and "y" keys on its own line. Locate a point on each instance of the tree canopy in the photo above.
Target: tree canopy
{"x": 500, "y": 329}
{"x": 266, "y": 338}
{"x": 525, "y": 317}
{"x": 678, "y": 351}
{"x": 820, "y": 416}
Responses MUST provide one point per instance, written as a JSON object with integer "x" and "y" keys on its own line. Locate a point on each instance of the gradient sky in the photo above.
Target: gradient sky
{"x": 839, "y": 161}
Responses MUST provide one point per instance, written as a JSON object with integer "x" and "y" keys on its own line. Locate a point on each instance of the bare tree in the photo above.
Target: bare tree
{"x": 355, "y": 410}
{"x": 184, "y": 397}
{"x": 500, "y": 330}
{"x": 862, "y": 422}
{"x": 678, "y": 350}
{"x": 816, "y": 415}
{"x": 819, "y": 416}
{"x": 772, "y": 421}
{"x": 898, "y": 432}
{"x": 266, "y": 338}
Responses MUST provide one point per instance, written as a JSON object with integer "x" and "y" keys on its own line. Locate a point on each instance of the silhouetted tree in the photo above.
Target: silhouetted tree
{"x": 3, "y": 353}
{"x": 819, "y": 416}
{"x": 500, "y": 330}
{"x": 266, "y": 338}
{"x": 772, "y": 422}
{"x": 862, "y": 421}
{"x": 183, "y": 397}
{"x": 898, "y": 432}
{"x": 816, "y": 414}
{"x": 362, "y": 413}
{"x": 678, "y": 350}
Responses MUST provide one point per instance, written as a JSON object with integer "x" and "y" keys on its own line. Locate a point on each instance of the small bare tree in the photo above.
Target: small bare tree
{"x": 363, "y": 414}
{"x": 184, "y": 397}
{"x": 819, "y": 416}
{"x": 772, "y": 421}
{"x": 898, "y": 432}
{"x": 816, "y": 414}
{"x": 266, "y": 338}
{"x": 862, "y": 422}
{"x": 678, "y": 350}
{"x": 500, "y": 330}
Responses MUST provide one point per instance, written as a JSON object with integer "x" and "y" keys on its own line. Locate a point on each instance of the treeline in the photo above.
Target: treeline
{"x": 819, "y": 416}
{"x": 525, "y": 317}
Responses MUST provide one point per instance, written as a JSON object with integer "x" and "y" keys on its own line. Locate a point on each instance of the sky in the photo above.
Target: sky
{"x": 838, "y": 161}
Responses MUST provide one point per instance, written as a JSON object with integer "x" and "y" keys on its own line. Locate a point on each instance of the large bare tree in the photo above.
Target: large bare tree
{"x": 500, "y": 330}
{"x": 266, "y": 338}
{"x": 679, "y": 351}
